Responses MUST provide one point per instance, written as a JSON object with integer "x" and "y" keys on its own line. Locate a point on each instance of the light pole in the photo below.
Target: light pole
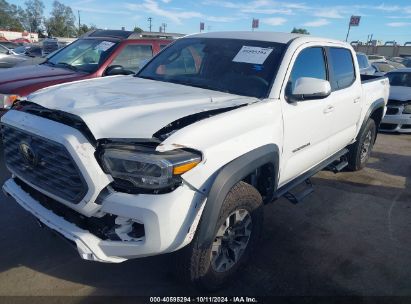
{"x": 150, "y": 20}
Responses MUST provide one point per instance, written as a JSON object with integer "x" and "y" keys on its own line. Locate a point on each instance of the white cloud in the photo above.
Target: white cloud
{"x": 317, "y": 23}
{"x": 399, "y": 24}
{"x": 332, "y": 13}
{"x": 220, "y": 18}
{"x": 274, "y": 21}
{"x": 153, "y": 7}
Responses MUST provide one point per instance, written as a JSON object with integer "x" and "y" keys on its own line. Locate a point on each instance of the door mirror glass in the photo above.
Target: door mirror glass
{"x": 117, "y": 70}
{"x": 307, "y": 88}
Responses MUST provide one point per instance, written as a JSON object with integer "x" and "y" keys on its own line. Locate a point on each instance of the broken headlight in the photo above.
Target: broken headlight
{"x": 151, "y": 170}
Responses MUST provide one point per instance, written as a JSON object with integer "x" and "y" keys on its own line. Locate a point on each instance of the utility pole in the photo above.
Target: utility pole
{"x": 79, "y": 22}
{"x": 164, "y": 27}
{"x": 150, "y": 20}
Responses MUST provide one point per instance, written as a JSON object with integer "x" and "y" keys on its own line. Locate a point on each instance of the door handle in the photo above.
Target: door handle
{"x": 329, "y": 109}
{"x": 357, "y": 100}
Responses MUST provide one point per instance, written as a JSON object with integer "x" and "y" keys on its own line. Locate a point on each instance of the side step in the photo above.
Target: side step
{"x": 298, "y": 197}
{"x": 338, "y": 166}
{"x": 302, "y": 185}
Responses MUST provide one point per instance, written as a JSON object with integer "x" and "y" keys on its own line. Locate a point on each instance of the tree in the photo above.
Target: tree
{"x": 34, "y": 15}
{"x": 300, "y": 31}
{"x": 61, "y": 21}
{"x": 137, "y": 30}
{"x": 11, "y": 16}
{"x": 84, "y": 28}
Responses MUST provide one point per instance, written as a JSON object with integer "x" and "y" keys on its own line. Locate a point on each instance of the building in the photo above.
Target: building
{"x": 10, "y": 35}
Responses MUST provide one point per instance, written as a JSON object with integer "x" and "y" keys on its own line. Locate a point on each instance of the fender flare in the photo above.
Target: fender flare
{"x": 379, "y": 103}
{"x": 226, "y": 178}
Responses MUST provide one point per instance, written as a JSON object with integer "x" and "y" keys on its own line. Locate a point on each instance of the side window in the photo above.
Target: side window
{"x": 3, "y": 50}
{"x": 131, "y": 57}
{"x": 309, "y": 63}
{"x": 342, "y": 71}
{"x": 361, "y": 61}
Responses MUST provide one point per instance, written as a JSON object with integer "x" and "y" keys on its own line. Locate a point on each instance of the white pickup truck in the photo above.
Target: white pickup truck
{"x": 183, "y": 155}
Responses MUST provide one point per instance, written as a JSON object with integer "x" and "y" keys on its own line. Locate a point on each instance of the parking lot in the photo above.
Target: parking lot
{"x": 351, "y": 237}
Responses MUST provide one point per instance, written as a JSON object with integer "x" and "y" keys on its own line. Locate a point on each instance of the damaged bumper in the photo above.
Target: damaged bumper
{"x": 169, "y": 222}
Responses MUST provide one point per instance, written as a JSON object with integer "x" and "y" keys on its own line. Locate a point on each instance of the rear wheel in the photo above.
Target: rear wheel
{"x": 360, "y": 152}
{"x": 236, "y": 235}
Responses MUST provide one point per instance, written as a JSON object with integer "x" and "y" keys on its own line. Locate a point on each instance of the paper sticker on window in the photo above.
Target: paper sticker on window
{"x": 104, "y": 46}
{"x": 252, "y": 54}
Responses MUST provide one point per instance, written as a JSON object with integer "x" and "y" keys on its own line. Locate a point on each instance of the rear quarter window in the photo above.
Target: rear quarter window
{"x": 342, "y": 68}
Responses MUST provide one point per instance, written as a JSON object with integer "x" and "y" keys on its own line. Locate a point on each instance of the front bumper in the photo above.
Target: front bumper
{"x": 169, "y": 221}
{"x": 396, "y": 123}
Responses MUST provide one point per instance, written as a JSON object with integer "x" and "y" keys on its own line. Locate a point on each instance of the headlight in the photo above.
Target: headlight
{"x": 407, "y": 109}
{"x": 150, "y": 170}
{"x": 6, "y": 101}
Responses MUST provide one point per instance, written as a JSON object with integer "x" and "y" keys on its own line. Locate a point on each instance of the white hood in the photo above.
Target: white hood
{"x": 400, "y": 93}
{"x": 130, "y": 107}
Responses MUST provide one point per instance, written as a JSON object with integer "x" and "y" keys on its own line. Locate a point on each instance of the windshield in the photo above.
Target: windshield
{"x": 243, "y": 67}
{"x": 400, "y": 79}
{"x": 9, "y": 45}
{"x": 85, "y": 55}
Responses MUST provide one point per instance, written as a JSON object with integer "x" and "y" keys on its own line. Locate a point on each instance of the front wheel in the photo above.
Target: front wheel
{"x": 360, "y": 152}
{"x": 236, "y": 235}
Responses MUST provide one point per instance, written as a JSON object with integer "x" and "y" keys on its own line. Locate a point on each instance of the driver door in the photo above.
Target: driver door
{"x": 306, "y": 133}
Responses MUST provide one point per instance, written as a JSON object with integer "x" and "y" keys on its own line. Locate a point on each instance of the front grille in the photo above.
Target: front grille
{"x": 43, "y": 163}
{"x": 392, "y": 111}
{"x": 406, "y": 127}
{"x": 387, "y": 126}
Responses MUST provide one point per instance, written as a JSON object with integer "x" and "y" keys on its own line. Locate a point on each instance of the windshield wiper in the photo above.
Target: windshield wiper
{"x": 67, "y": 65}
{"x": 48, "y": 62}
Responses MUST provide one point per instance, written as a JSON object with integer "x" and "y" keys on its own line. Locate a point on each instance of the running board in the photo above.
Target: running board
{"x": 297, "y": 196}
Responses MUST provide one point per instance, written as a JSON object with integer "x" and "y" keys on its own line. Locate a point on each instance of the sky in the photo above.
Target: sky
{"x": 389, "y": 20}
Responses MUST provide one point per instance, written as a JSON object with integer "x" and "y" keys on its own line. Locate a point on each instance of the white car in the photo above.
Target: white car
{"x": 376, "y": 58}
{"x": 183, "y": 155}
{"x": 398, "y": 116}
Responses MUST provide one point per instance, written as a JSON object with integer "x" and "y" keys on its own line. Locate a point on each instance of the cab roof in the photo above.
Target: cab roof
{"x": 262, "y": 36}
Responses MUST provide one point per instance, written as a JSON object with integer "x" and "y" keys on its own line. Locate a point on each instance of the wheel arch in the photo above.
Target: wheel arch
{"x": 375, "y": 112}
{"x": 237, "y": 170}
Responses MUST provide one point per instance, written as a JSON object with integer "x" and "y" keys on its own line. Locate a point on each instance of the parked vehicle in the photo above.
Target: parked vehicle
{"x": 398, "y": 116}
{"x": 184, "y": 154}
{"x": 8, "y": 58}
{"x": 364, "y": 64}
{"x": 376, "y": 58}
{"x": 9, "y": 45}
{"x": 405, "y": 61}
{"x": 381, "y": 68}
{"x": 96, "y": 54}
{"x": 29, "y": 50}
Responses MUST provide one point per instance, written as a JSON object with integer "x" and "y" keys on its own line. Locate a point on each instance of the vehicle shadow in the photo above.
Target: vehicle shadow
{"x": 340, "y": 241}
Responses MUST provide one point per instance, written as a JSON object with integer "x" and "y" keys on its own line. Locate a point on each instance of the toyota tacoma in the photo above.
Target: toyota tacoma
{"x": 183, "y": 155}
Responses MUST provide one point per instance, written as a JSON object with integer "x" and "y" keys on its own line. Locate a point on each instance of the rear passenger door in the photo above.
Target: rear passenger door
{"x": 133, "y": 57}
{"x": 345, "y": 99}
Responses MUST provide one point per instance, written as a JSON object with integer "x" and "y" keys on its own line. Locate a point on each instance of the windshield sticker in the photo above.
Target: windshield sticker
{"x": 252, "y": 54}
{"x": 104, "y": 46}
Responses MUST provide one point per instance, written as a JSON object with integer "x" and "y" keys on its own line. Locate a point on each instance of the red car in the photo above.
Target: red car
{"x": 96, "y": 54}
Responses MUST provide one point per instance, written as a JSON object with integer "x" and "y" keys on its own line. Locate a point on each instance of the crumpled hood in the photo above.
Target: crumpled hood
{"x": 400, "y": 93}
{"x": 131, "y": 107}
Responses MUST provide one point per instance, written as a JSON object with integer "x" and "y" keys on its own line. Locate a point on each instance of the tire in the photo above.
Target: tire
{"x": 361, "y": 150}
{"x": 204, "y": 267}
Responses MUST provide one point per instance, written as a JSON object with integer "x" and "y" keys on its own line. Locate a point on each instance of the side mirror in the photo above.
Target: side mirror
{"x": 307, "y": 88}
{"x": 117, "y": 70}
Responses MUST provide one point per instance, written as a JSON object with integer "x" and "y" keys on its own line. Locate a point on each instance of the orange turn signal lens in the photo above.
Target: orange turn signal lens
{"x": 178, "y": 170}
